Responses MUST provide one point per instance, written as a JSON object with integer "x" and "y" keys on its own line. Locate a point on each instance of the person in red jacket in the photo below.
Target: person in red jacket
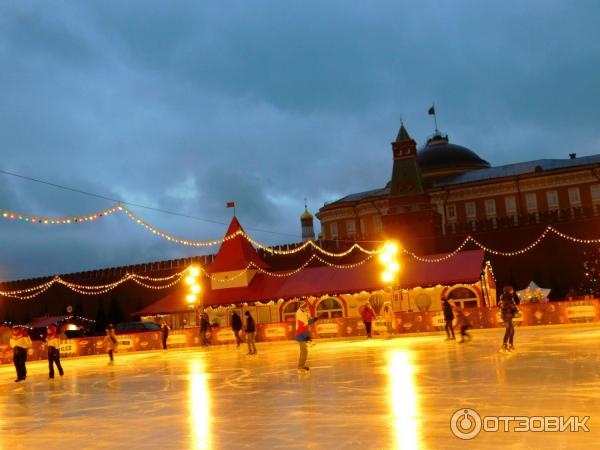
{"x": 367, "y": 315}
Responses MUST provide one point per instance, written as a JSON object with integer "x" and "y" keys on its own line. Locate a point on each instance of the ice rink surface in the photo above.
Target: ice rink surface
{"x": 397, "y": 393}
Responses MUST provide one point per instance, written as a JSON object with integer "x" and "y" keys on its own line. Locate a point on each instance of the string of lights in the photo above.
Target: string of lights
{"x": 11, "y": 215}
{"x": 34, "y": 291}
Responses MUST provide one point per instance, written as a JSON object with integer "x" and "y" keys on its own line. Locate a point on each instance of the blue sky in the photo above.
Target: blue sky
{"x": 187, "y": 105}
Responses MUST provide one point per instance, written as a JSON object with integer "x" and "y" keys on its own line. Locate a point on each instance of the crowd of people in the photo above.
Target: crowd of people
{"x": 454, "y": 317}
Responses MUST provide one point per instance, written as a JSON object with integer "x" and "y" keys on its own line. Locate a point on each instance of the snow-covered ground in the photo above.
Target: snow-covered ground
{"x": 398, "y": 393}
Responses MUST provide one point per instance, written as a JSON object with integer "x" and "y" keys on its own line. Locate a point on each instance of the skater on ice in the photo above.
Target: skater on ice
{"x": 164, "y": 329}
{"x": 303, "y": 320}
{"x": 20, "y": 342}
{"x": 388, "y": 316}
{"x": 110, "y": 342}
{"x": 367, "y": 314}
{"x": 448, "y": 318}
{"x": 236, "y": 327}
{"x": 508, "y": 310}
{"x": 53, "y": 343}
{"x": 204, "y": 327}
{"x": 463, "y": 324}
{"x": 250, "y": 333}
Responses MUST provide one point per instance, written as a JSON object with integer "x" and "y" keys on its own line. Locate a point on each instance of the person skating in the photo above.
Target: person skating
{"x": 250, "y": 333}
{"x": 204, "y": 327}
{"x": 367, "y": 314}
{"x": 448, "y": 318}
{"x": 388, "y": 316}
{"x": 463, "y": 323}
{"x": 20, "y": 342}
{"x": 164, "y": 329}
{"x": 110, "y": 342}
{"x": 508, "y": 310}
{"x": 236, "y": 327}
{"x": 303, "y": 320}
{"x": 53, "y": 343}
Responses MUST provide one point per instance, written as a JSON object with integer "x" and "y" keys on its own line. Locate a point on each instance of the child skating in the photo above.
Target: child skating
{"x": 463, "y": 324}
{"x": 20, "y": 342}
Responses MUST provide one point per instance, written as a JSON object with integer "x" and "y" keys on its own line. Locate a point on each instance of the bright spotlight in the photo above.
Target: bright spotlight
{"x": 190, "y": 280}
{"x": 393, "y": 267}
{"x": 191, "y": 298}
{"x": 194, "y": 271}
{"x": 195, "y": 288}
{"x": 387, "y": 277}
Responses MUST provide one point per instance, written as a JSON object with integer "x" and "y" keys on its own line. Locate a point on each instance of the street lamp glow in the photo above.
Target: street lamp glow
{"x": 393, "y": 267}
{"x": 195, "y": 288}
{"x": 191, "y": 298}
{"x": 194, "y": 271}
{"x": 391, "y": 248}
{"x": 387, "y": 277}
{"x": 385, "y": 258}
{"x": 190, "y": 280}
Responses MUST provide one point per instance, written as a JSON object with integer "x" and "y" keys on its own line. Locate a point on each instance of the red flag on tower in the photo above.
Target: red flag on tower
{"x": 231, "y": 204}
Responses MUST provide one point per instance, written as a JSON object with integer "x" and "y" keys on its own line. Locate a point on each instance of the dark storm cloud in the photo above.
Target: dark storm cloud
{"x": 187, "y": 105}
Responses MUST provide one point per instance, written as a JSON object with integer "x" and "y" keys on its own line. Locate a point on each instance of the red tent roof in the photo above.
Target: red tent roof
{"x": 464, "y": 267}
{"x": 236, "y": 253}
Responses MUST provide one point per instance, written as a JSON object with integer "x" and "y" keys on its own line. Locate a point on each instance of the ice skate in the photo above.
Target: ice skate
{"x": 304, "y": 370}
{"x": 504, "y": 348}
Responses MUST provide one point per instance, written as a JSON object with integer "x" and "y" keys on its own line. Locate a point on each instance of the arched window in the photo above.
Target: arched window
{"x": 329, "y": 307}
{"x": 289, "y": 310}
{"x": 463, "y": 297}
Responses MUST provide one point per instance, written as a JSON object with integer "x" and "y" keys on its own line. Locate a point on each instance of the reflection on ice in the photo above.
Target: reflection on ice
{"x": 199, "y": 408}
{"x": 404, "y": 401}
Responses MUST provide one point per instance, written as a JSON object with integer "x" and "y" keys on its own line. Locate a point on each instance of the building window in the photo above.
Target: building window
{"x": 377, "y": 225}
{"x": 471, "y": 210}
{"x": 511, "y": 205}
{"x": 350, "y": 228}
{"x": 574, "y": 198}
{"x": 289, "y": 311}
{"x": 531, "y": 202}
{"x": 329, "y": 308}
{"x": 363, "y": 227}
{"x": 595, "y": 189}
{"x": 490, "y": 207}
{"x": 451, "y": 212}
{"x": 334, "y": 230}
{"x": 552, "y": 197}
{"x": 463, "y": 297}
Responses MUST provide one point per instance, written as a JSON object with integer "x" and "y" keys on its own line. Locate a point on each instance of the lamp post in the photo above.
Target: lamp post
{"x": 391, "y": 266}
{"x": 194, "y": 289}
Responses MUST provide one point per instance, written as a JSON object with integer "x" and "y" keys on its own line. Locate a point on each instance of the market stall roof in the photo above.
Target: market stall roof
{"x": 43, "y": 322}
{"x": 236, "y": 253}
{"x": 464, "y": 267}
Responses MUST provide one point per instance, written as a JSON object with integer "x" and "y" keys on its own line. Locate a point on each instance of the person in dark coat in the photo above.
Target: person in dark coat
{"x": 236, "y": 326}
{"x": 164, "y": 330}
{"x": 250, "y": 333}
{"x": 53, "y": 343}
{"x": 204, "y": 327}
{"x": 508, "y": 310}
{"x": 448, "y": 317}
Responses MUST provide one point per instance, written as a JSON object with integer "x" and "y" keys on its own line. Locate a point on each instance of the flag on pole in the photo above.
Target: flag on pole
{"x": 231, "y": 204}
{"x": 431, "y": 111}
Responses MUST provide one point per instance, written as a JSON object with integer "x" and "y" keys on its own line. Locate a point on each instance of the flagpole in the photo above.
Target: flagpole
{"x": 435, "y": 118}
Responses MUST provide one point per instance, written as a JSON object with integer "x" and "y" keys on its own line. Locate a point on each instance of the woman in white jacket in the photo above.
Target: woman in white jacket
{"x": 20, "y": 342}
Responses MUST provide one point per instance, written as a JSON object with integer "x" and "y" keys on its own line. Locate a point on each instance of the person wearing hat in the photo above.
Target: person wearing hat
{"x": 303, "y": 320}
{"x": 508, "y": 310}
{"x": 20, "y": 342}
{"x": 250, "y": 333}
{"x": 53, "y": 343}
{"x": 110, "y": 342}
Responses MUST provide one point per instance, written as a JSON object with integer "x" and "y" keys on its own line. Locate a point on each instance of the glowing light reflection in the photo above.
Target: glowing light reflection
{"x": 404, "y": 401}
{"x": 199, "y": 408}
